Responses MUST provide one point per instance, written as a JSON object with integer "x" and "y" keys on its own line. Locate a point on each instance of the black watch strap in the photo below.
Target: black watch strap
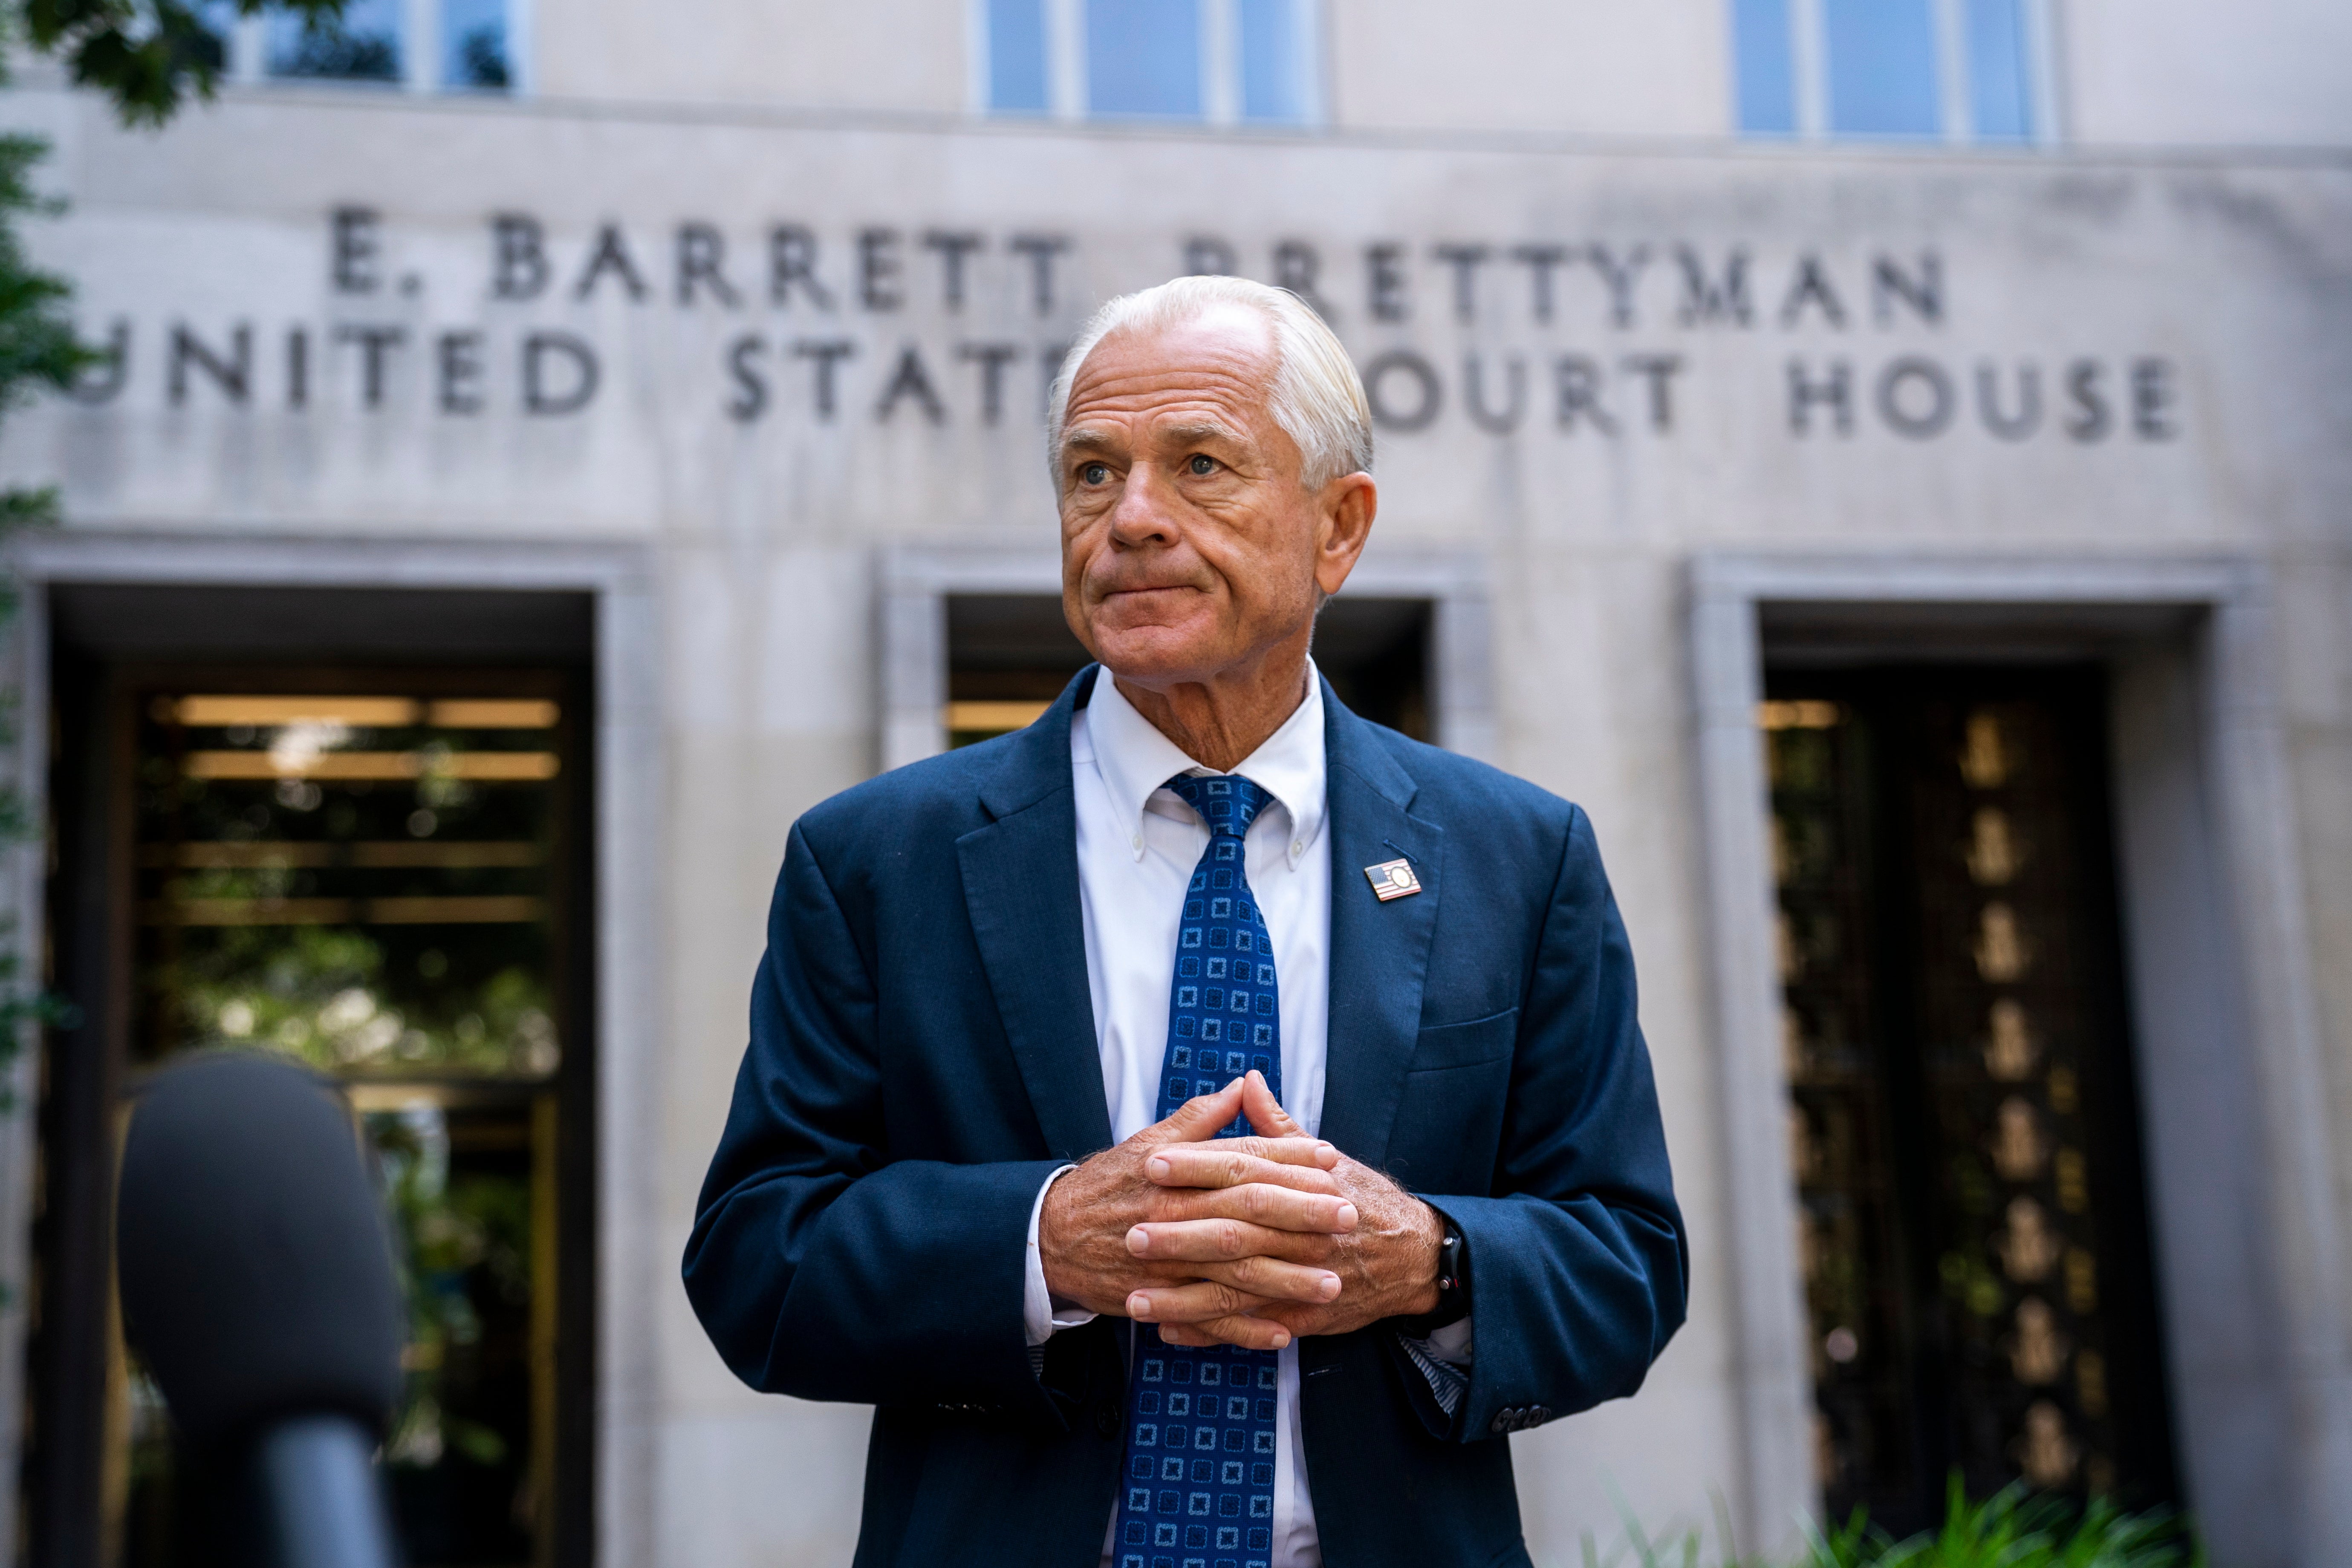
{"x": 1453, "y": 1285}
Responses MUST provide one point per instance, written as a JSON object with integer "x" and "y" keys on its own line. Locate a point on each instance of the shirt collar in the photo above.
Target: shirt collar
{"x": 1136, "y": 760}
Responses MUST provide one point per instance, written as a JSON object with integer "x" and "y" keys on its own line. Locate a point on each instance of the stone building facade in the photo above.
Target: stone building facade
{"x": 683, "y": 373}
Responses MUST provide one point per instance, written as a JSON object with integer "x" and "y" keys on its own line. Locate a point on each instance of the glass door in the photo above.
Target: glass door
{"x": 1963, "y": 1120}
{"x": 376, "y": 878}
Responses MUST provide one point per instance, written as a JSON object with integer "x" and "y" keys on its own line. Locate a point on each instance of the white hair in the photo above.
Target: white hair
{"x": 1316, "y": 397}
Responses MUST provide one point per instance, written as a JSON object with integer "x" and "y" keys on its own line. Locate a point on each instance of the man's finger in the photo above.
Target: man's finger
{"x": 1223, "y": 1241}
{"x": 1276, "y": 1280}
{"x": 1301, "y": 1162}
{"x": 1265, "y": 1112}
{"x": 1251, "y": 1333}
{"x": 1197, "y": 1118}
{"x": 1275, "y": 1208}
{"x": 1192, "y": 1303}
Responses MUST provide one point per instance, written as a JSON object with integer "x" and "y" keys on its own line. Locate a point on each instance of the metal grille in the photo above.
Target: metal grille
{"x": 1962, "y": 1120}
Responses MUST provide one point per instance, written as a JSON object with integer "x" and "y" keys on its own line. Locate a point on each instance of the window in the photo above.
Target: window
{"x": 1215, "y": 61}
{"x": 422, "y": 45}
{"x": 1881, "y": 56}
{"x": 1143, "y": 59}
{"x": 1016, "y": 48}
{"x": 364, "y": 45}
{"x": 1275, "y": 61}
{"x": 1920, "y": 71}
{"x": 474, "y": 43}
{"x": 1766, "y": 66}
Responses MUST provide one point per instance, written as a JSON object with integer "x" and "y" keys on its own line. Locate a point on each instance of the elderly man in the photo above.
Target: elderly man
{"x": 1204, "y": 1124}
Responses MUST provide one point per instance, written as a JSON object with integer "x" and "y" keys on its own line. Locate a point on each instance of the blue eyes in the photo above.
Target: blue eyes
{"x": 1200, "y": 465}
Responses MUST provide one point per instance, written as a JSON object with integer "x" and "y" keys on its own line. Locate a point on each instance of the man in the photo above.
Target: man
{"x": 1198, "y": 898}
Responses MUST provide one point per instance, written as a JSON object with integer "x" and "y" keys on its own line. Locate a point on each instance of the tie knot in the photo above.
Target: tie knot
{"x": 1228, "y": 802}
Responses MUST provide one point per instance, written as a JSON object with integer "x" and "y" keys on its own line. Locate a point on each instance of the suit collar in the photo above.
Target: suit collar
{"x": 1035, "y": 762}
{"x": 1020, "y": 893}
{"x": 1355, "y": 744}
{"x": 1380, "y": 952}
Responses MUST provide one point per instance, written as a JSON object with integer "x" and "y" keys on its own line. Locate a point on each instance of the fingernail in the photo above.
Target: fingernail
{"x": 1330, "y": 1286}
{"x": 1347, "y": 1217}
{"x": 1157, "y": 1168}
{"x": 1139, "y": 1307}
{"x": 1139, "y": 1241}
{"x": 1281, "y": 1341}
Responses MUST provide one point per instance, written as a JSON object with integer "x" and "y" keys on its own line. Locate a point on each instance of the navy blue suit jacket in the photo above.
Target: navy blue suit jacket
{"x": 923, "y": 1054}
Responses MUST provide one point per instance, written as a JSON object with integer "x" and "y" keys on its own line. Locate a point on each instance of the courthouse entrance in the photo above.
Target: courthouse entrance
{"x": 1008, "y": 656}
{"x": 377, "y": 869}
{"x": 1965, "y": 1123}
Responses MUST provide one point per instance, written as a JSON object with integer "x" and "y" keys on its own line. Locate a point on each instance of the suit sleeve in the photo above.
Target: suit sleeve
{"x": 819, "y": 1266}
{"x": 1577, "y": 1263}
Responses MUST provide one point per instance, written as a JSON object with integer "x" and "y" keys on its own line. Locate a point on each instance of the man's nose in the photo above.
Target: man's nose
{"x": 1146, "y": 510}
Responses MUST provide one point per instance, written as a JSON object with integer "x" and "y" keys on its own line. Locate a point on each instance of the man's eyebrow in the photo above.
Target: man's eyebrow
{"x": 1088, "y": 438}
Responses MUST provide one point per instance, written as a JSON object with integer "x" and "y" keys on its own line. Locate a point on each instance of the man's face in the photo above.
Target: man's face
{"x": 1189, "y": 548}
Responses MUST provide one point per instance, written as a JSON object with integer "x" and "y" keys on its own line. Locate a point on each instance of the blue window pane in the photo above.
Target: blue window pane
{"x": 1016, "y": 57}
{"x": 1143, "y": 57}
{"x": 1999, "y": 100}
{"x": 1274, "y": 63}
{"x": 217, "y": 18}
{"x": 1882, "y": 67}
{"x": 1764, "y": 67}
{"x": 474, "y": 43}
{"x": 364, "y": 45}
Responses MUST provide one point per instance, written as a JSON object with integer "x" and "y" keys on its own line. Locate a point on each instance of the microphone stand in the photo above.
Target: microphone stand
{"x": 319, "y": 1494}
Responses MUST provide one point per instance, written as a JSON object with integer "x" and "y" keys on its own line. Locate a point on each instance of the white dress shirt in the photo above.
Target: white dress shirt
{"x": 1138, "y": 845}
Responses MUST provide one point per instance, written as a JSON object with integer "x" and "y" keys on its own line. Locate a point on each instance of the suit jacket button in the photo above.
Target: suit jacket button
{"x": 1107, "y": 1419}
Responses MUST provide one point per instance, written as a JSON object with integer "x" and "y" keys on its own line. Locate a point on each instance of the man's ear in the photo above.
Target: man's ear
{"x": 1348, "y": 504}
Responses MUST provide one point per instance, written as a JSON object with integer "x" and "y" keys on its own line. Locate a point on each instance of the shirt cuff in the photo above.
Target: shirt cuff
{"x": 1040, "y": 1318}
{"x": 1454, "y": 1343}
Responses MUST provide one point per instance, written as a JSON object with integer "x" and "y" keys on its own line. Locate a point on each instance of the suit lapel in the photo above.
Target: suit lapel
{"x": 1021, "y": 890}
{"x": 1380, "y": 952}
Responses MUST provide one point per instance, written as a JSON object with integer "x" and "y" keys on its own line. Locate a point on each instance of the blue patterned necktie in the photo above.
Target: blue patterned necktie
{"x": 1198, "y": 1489}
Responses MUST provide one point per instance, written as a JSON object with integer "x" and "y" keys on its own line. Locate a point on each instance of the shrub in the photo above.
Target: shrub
{"x": 2012, "y": 1529}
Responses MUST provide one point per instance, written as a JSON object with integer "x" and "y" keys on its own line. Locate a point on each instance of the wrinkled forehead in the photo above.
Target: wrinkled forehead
{"x": 1220, "y": 361}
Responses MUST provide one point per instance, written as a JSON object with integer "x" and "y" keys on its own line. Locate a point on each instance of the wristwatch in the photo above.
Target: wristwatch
{"x": 1453, "y": 1285}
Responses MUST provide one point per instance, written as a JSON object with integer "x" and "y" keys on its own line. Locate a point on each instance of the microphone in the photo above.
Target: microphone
{"x": 256, "y": 1284}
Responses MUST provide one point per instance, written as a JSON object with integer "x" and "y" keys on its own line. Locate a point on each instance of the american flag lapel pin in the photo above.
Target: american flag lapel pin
{"x": 1392, "y": 879}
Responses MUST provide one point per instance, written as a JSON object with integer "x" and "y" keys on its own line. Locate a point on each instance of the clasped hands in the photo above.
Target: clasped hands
{"x": 1244, "y": 1241}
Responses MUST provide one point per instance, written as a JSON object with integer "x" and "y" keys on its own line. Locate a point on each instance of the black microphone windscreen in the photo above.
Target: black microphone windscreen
{"x": 255, "y": 1267}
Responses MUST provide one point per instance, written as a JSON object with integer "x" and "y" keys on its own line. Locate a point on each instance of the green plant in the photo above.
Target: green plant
{"x": 147, "y": 55}
{"x": 2012, "y": 1529}
{"x": 37, "y": 350}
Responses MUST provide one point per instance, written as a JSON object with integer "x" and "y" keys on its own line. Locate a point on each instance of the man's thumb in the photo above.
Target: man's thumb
{"x": 1198, "y": 1118}
{"x": 1265, "y": 1112}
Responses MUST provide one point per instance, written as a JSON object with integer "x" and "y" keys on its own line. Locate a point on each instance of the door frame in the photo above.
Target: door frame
{"x": 632, "y": 1253}
{"x": 2226, "y": 1023}
{"x": 918, "y": 579}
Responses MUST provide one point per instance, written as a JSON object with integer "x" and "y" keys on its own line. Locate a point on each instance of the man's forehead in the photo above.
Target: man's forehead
{"x": 1216, "y": 362}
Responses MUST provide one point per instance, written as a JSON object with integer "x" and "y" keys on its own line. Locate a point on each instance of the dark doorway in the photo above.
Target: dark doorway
{"x": 1008, "y": 656}
{"x": 1975, "y": 1237}
{"x": 285, "y": 824}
